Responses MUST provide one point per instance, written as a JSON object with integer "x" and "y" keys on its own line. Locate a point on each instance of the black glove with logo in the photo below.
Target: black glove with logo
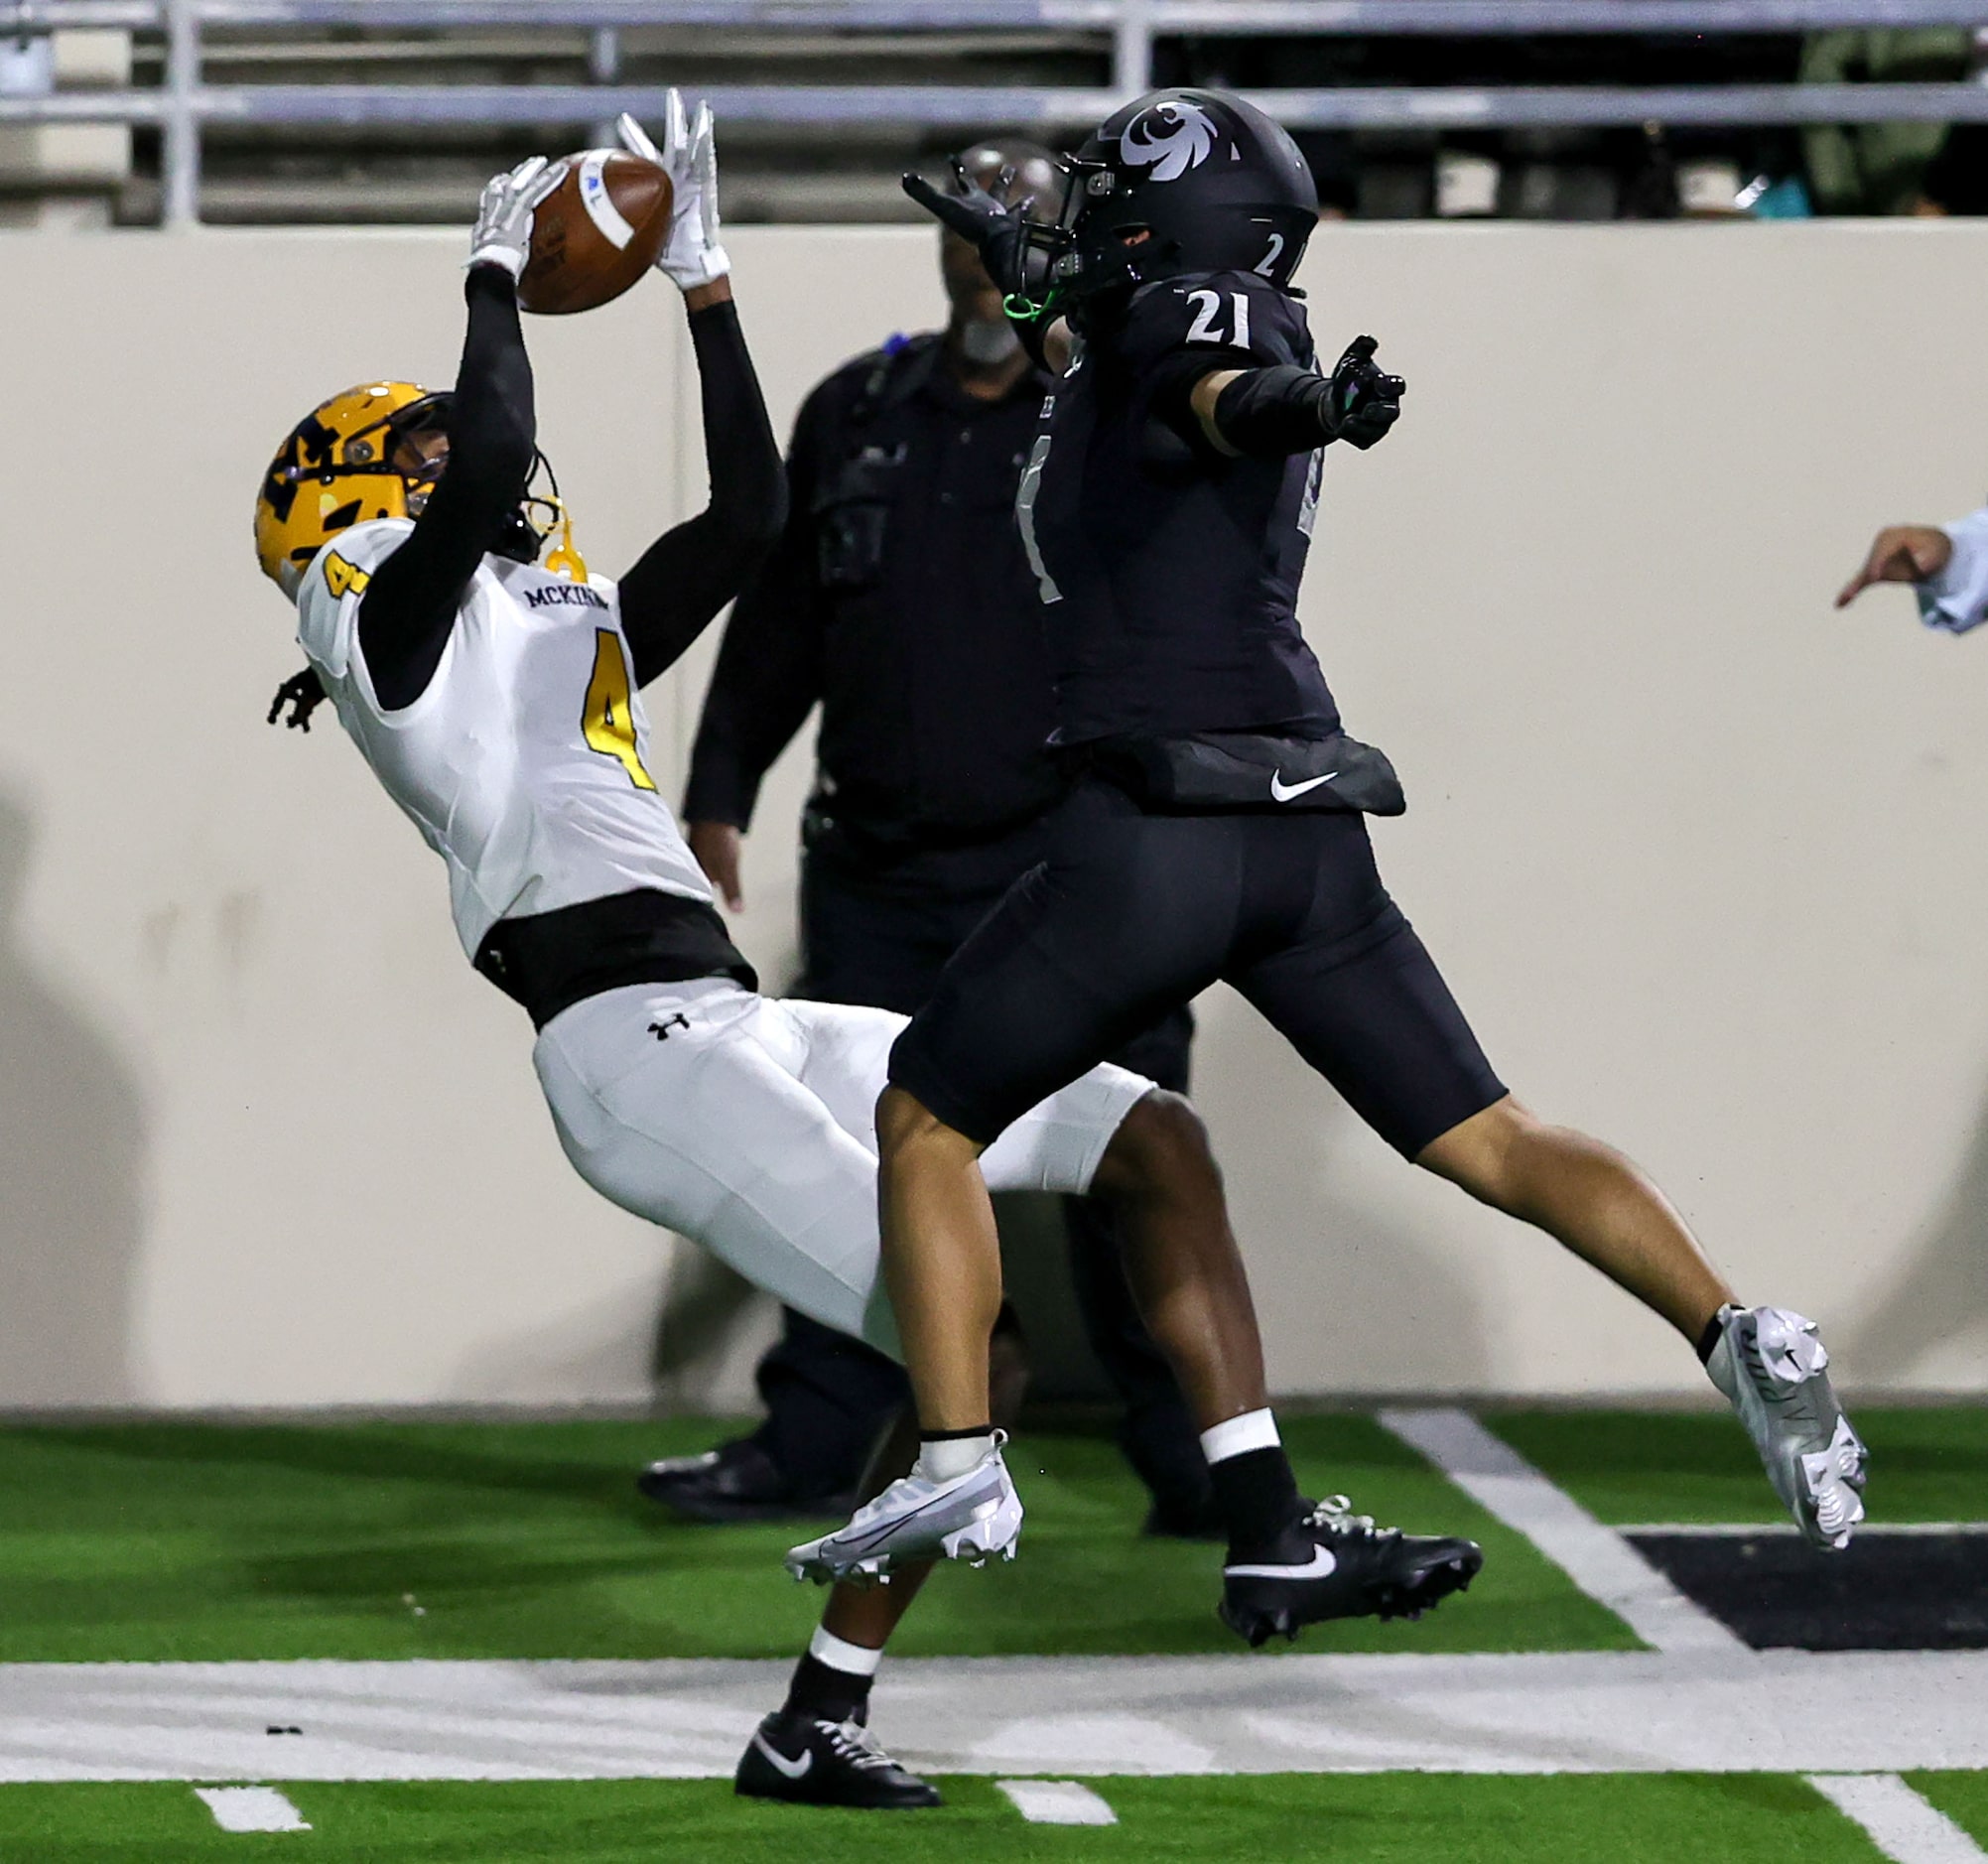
{"x": 991, "y": 225}
{"x": 1363, "y": 402}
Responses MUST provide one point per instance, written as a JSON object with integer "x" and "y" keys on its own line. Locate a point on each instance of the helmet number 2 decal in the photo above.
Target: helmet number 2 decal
{"x": 1264, "y": 266}
{"x": 608, "y": 721}
{"x": 1208, "y": 307}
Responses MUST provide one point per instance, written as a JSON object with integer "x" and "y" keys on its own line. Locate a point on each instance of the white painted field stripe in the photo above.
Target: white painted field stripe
{"x": 1581, "y": 1711}
{"x": 1593, "y": 1555}
{"x": 1057, "y": 1803}
{"x": 251, "y": 1808}
{"x": 1903, "y": 1824}
{"x": 1756, "y": 1529}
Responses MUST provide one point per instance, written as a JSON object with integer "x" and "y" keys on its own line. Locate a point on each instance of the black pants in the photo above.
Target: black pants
{"x": 877, "y": 928}
{"x": 1136, "y": 912}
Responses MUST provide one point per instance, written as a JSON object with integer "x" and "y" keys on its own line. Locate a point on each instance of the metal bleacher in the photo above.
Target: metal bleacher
{"x": 177, "y": 111}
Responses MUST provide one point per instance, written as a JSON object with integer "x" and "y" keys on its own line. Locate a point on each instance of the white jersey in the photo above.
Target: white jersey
{"x": 525, "y": 763}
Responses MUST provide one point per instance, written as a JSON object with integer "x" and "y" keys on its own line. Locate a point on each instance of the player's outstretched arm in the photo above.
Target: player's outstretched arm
{"x": 996, "y": 229}
{"x": 690, "y": 573}
{"x": 408, "y": 611}
{"x": 1276, "y": 412}
{"x": 768, "y": 678}
{"x": 1946, "y": 565}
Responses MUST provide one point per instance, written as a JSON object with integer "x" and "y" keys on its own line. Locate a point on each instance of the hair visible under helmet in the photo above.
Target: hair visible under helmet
{"x": 1212, "y": 182}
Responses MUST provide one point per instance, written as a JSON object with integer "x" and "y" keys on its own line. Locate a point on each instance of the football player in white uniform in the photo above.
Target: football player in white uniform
{"x": 496, "y": 699}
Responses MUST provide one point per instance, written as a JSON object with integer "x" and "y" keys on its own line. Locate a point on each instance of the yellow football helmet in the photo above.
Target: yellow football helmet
{"x": 374, "y": 452}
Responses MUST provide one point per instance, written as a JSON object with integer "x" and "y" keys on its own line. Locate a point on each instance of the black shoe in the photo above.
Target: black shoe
{"x": 1334, "y": 1563}
{"x": 1172, "y": 1518}
{"x": 822, "y": 1762}
{"x": 736, "y": 1482}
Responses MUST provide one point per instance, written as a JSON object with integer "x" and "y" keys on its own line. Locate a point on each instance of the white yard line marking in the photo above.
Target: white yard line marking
{"x": 1755, "y": 1530}
{"x": 1057, "y": 1803}
{"x": 1593, "y": 1555}
{"x": 251, "y": 1808}
{"x": 1589, "y": 1711}
{"x": 1903, "y": 1824}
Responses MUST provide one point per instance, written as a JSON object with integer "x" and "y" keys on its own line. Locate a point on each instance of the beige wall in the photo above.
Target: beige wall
{"x": 1704, "y": 861}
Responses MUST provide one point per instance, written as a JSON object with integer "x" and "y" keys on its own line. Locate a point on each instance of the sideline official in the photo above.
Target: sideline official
{"x": 901, "y": 602}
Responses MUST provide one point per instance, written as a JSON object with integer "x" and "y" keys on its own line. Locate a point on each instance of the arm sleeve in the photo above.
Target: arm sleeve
{"x": 690, "y": 573}
{"x": 769, "y": 668}
{"x": 1270, "y": 414}
{"x": 1956, "y": 600}
{"x": 411, "y": 605}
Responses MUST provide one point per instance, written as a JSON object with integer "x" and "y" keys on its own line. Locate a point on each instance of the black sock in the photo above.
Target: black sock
{"x": 824, "y": 1693}
{"x": 1707, "y": 1340}
{"x": 954, "y": 1436}
{"x": 1256, "y": 1496}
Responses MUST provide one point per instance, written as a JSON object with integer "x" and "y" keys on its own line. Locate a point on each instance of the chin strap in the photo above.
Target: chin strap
{"x": 564, "y": 559}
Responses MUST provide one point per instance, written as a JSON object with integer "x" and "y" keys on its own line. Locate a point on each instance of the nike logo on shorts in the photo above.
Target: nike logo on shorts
{"x": 1282, "y": 792}
{"x": 1322, "y": 1564}
{"x": 792, "y": 1769}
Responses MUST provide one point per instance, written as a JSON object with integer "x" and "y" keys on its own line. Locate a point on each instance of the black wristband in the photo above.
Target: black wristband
{"x": 1272, "y": 413}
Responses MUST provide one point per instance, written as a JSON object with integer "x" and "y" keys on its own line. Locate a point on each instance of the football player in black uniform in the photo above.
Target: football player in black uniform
{"x": 1214, "y": 827}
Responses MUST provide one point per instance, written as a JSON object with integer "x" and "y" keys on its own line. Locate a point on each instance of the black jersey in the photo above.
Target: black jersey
{"x": 1170, "y": 571}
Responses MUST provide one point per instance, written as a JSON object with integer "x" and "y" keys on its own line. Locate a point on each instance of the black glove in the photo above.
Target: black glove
{"x": 985, "y": 222}
{"x": 302, "y": 693}
{"x": 1362, "y": 402}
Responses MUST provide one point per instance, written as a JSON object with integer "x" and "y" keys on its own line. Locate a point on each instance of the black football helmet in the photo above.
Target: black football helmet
{"x": 1211, "y": 181}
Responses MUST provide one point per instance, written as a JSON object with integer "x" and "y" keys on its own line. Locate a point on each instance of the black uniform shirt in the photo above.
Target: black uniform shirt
{"x": 1170, "y": 571}
{"x": 900, "y": 598}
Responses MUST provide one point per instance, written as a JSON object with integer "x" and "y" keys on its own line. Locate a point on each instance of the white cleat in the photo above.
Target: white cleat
{"x": 972, "y": 1517}
{"x": 1774, "y": 1369}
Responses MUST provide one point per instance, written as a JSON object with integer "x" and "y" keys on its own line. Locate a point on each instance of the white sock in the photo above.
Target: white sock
{"x": 941, "y": 1459}
{"x": 1235, "y": 1436}
{"x": 839, "y": 1654}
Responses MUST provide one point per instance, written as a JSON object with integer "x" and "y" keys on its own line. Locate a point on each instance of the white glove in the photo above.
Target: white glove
{"x": 691, "y": 255}
{"x": 503, "y": 232}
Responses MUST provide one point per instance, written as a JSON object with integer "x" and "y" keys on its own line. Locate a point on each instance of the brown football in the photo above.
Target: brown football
{"x": 597, "y": 232}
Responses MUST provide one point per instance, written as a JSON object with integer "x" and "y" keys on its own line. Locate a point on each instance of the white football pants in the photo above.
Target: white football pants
{"x": 749, "y": 1125}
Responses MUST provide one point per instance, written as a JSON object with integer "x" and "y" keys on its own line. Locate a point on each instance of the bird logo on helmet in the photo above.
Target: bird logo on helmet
{"x": 373, "y": 452}
{"x": 1169, "y": 138}
{"x": 1178, "y": 180}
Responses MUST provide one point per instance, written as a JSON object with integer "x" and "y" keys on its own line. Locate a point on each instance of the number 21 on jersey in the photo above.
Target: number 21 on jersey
{"x": 608, "y": 721}
{"x": 1207, "y": 317}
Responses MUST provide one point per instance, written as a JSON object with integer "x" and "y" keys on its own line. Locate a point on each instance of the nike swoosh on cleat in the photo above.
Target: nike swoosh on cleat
{"x": 854, "y": 1544}
{"x": 1323, "y": 1562}
{"x": 792, "y": 1769}
{"x": 1282, "y": 792}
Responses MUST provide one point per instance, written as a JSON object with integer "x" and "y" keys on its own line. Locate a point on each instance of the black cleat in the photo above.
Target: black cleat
{"x": 809, "y": 1762}
{"x": 736, "y": 1482}
{"x": 1334, "y": 1563}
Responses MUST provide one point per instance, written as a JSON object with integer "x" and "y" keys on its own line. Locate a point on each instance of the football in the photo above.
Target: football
{"x": 597, "y": 232}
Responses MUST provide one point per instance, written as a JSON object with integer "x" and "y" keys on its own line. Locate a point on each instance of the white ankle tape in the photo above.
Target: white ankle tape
{"x": 850, "y": 1659}
{"x": 941, "y": 1459}
{"x": 1233, "y": 1436}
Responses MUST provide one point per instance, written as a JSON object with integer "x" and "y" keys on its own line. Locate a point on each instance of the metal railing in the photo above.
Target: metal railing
{"x": 184, "y": 103}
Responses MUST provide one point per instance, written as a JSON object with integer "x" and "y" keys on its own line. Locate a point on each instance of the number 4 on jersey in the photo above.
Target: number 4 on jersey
{"x": 608, "y": 719}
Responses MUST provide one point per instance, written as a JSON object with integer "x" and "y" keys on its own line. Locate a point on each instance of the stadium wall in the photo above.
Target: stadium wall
{"x": 1705, "y": 862}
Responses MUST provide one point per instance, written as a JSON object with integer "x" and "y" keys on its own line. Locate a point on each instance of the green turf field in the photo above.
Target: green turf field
{"x": 171, "y": 1541}
{"x": 1276, "y": 1818}
{"x": 165, "y": 1541}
